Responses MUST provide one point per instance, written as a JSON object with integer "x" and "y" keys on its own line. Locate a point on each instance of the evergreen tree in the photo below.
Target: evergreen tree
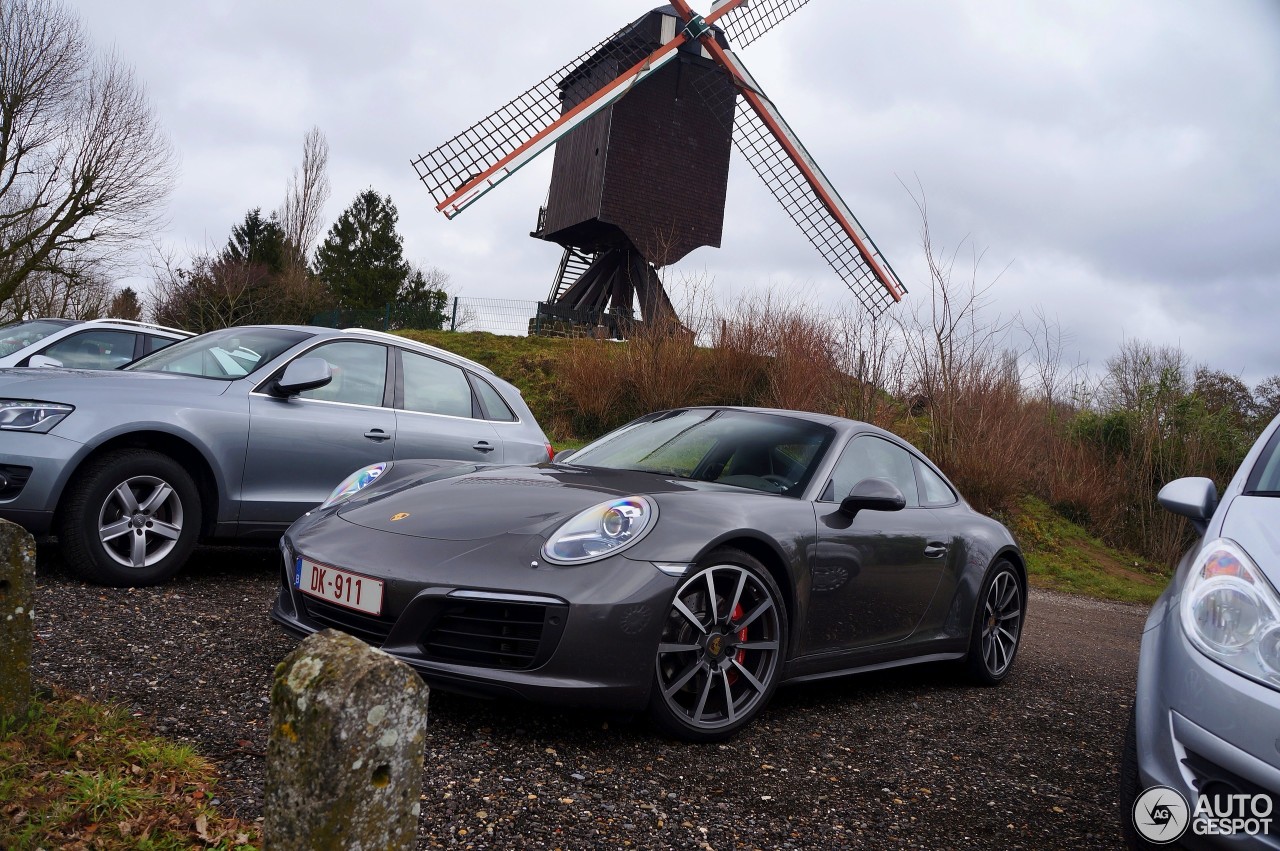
{"x": 125, "y": 305}
{"x": 362, "y": 258}
{"x": 257, "y": 241}
{"x": 423, "y": 301}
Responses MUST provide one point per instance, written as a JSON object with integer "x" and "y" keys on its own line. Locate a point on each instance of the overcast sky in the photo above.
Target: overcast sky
{"x": 1120, "y": 158}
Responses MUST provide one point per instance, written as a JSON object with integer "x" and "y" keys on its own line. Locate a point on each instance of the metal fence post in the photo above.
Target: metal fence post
{"x": 453, "y": 321}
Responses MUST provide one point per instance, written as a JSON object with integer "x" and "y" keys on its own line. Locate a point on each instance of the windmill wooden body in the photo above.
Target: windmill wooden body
{"x": 643, "y": 124}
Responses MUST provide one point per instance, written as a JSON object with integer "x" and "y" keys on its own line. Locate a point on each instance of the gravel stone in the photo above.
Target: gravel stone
{"x": 908, "y": 758}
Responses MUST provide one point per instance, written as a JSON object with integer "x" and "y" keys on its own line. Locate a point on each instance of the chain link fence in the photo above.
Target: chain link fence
{"x": 496, "y": 315}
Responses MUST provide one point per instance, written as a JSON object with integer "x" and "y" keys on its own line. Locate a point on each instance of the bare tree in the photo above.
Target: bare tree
{"x": 87, "y": 295}
{"x": 305, "y": 198}
{"x": 84, "y": 166}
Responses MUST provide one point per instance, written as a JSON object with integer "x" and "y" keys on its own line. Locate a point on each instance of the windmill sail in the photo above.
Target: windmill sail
{"x": 745, "y": 23}
{"x": 785, "y": 165}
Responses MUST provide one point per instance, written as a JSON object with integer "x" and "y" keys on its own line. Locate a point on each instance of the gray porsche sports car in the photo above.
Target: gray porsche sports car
{"x": 688, "y": 562}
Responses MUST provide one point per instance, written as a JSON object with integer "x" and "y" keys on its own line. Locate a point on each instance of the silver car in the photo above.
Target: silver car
{"x": 1201, "y": 765}
{"x": 82, "y": 344}
{"x": 233, "y": 435}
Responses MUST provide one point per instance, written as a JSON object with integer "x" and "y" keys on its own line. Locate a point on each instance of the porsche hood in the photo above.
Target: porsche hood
{"x": 470, "y": 503}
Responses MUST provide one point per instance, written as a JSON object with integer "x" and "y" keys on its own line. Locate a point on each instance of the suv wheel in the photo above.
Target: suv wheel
{"x": 130, "y": 518}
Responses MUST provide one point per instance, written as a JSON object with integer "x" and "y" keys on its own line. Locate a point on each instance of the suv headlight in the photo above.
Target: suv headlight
{"x": 1231, "y": 613}
{"x": 24, "y": 415}
{"x": 600, "y": 531}
{"x": 356, "y": 482}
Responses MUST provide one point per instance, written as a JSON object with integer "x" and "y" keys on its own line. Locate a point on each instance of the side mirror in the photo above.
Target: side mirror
{"x": 43, "y": 360}
{"x": 302, "y": 374}
{"x": 563, "y": 455}
{"x": 1194, "y": 497}
{"x": 873, "y": 495}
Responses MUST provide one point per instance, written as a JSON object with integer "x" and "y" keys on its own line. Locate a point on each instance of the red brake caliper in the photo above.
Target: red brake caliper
{"x": 738, "y": 612}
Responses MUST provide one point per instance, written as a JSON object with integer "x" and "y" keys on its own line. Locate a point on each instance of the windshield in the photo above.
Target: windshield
{"x": 227, "y": 355}
{"x": 19, "y": 335}
{"x": 764, "y": 452}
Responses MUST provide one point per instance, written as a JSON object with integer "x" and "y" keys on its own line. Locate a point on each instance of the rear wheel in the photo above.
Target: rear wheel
{"x": 130, "y": 517}
{"x": 997, "y": 627}
{"x": 720, "y": 655}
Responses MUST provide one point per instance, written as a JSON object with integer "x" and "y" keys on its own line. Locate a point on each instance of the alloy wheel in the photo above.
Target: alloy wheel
{"x": 1001, "y": 622}
{"x": 140, "y": 521}
{"x": 720, "y": 649}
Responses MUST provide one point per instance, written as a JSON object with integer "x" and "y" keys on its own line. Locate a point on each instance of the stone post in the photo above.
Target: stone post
{"x": 17, "y": 587}
{"x": 344, "y": 757}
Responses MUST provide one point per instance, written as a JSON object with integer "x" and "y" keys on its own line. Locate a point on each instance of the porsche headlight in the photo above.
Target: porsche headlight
{"x": 24, "y": 415}
{"x": 1231, "y": 613}
{"x": 356, "y": 482}
{"x": 600, "y": 531}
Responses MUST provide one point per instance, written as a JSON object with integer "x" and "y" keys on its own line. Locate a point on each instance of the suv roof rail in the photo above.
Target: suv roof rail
{"x": 134, "y": 323}
{"x": 406, "y": 341}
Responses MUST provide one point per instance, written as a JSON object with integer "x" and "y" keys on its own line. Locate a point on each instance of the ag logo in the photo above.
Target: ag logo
{"x": 1161, "y": 815}
{"x": 402, "y": 515}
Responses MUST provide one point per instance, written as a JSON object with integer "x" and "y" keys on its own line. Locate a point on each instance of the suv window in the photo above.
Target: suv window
{"x": 495, "y": 407}
{"x": 94, "y": 349}
{"x": 434, "y": 387}
{"x": 871, "y": 457}
{"x": 359, "y": 373}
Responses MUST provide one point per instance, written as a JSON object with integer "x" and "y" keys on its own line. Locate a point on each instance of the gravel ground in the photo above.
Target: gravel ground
{"x": 909, "y": 758}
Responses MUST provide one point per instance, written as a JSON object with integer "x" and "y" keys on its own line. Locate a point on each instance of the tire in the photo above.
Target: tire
{"x": 1130, "y": 787}
{"x": 129, "y": 518}
{"x": 997, "y": 625}
{"x": 720, "y": 656}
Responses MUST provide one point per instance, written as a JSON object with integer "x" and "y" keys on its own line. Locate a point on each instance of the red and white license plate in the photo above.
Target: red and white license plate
{"x": 340, "y": 587}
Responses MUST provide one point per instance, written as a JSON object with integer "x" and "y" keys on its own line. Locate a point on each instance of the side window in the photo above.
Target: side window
{"x": 93, "y": 349}
{"x": 359, "y": 373}
{"x": 936, "y": 491}
{"x": 494, "y": 405}
{"x": 155, "y": 344}
{"x": 434, "y": 387}
{"x": 871, "y": 457}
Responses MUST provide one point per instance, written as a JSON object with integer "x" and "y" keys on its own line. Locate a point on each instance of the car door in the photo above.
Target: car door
{"x": 874, "y": 574}
{"x": 101, "y": 348}
{"x": 438, "y": 415}
{"x": 302, "y": 447}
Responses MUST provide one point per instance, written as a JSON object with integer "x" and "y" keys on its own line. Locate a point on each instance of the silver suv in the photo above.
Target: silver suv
{"x": 234, "y": 435}
{"x": 82, "y": 344}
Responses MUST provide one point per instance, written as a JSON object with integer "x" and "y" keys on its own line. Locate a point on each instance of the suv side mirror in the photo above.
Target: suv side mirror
{"x": 43, "y": 360}
{"x": 302, "y": 374}
{"x": 1194, "y": 497}
{"x": 873, "y": 495}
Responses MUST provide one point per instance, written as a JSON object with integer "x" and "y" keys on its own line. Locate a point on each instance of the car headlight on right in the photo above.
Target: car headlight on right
{"x": 26, "y": 415}
{"x": 600, "y": 531}
{"x": 1231, "y": 612}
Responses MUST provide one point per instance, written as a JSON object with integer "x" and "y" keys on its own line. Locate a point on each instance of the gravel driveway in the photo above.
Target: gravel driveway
{"x": 909, "y": 758}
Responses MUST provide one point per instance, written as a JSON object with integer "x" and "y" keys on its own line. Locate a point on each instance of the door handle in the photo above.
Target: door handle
{"x": 935, "y": 550}
{"x": 377, "y": 434}
{"x": 483, "y": 446}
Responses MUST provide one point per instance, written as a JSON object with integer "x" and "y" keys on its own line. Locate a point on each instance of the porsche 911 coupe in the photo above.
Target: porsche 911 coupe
{"x": 688, "y": 562}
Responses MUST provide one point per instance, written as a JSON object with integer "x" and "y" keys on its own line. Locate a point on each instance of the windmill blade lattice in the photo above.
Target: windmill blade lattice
{"x": 450, "y": 166}
{"x": 744, "y": 24}
{"x": 780, "y": 172}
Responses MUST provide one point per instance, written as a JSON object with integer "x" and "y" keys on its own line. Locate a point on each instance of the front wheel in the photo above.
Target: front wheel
{"x": 130, "y": 518}
{"x": 720, "y": 655}
{"x": 997, "y": 627}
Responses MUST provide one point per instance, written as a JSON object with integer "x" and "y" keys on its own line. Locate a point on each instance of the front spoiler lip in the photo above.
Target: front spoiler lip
{"x": 496, "y": 683}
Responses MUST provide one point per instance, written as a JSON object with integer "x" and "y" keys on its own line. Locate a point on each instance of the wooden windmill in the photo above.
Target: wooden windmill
{"x": 642, "y": 124}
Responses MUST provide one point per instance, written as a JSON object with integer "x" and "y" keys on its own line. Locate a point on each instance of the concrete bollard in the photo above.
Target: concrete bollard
{"x": 17, "y": 587}
{"x": 344, "y": 757}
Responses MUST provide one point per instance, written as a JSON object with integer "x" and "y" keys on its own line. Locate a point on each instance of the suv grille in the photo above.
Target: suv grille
{"x": 492, "y": 633}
